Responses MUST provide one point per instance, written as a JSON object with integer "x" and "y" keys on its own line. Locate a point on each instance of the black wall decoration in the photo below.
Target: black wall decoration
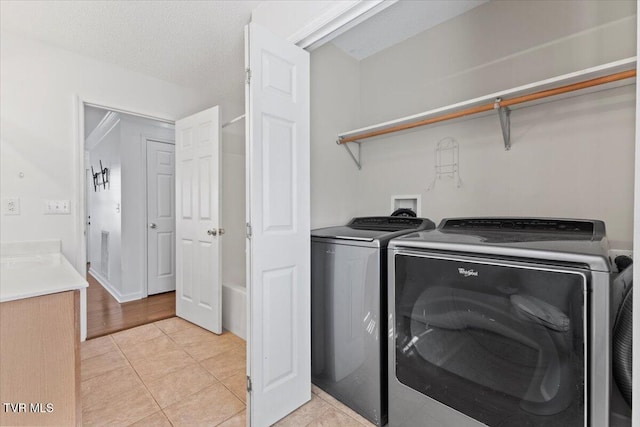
{"x": 105, "y": 175}
{"x": 102, "y": 174}
{"x": 95, "y": 179}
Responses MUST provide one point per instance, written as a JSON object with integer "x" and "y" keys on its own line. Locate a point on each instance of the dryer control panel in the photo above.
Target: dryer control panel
{"x": 543, "y": 225}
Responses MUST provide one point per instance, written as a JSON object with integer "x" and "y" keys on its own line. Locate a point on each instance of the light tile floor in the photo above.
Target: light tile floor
{"x": 173, "y": 373}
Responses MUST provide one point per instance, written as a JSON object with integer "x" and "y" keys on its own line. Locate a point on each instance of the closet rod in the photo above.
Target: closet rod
{"x": 493, "y": 105}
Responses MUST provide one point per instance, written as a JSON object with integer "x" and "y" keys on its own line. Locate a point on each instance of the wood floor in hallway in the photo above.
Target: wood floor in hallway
{"x": 105, "y": 315}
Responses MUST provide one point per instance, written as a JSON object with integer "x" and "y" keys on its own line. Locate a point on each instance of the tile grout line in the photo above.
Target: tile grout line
{"x": 341, "y": 411}
{"x": 145, "y": 384}
{"x": 141, "y": 380}
{"x": 219, "y": 381}
{"x": 227, "y": 419}
{"x": 105, "y": 372}
{"x": 118, "y": 347}
{"x": 236, "y": 396}
{"x": 97, "y": 355}
{"x": 328, "y": 407}
{"x": 165, "y": 415}
{"x": 186, "y": 397}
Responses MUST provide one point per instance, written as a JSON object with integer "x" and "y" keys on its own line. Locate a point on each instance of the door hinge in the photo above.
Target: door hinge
{"x": 249, "y": 230}
{"x": 248, "y": 383}
{"x": 248, "y": 71}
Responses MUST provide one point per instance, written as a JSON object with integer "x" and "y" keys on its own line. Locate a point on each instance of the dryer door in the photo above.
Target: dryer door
{"x": 501, "y": 342}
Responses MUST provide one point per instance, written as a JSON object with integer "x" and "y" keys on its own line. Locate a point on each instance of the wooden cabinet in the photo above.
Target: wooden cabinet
{"x": 40, "y": 360}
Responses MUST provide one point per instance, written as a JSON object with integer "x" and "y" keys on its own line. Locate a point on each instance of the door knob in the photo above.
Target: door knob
{"x": 152, "y": 225}
{"x": 212, "y": 232}
{"x": 221, "y": 231}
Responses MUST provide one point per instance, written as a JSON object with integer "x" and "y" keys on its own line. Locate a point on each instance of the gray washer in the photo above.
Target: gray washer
{"x": 348, "y": 310}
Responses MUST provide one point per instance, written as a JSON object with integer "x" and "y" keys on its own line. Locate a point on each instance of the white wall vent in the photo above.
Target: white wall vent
{"x": 104, "y": 254}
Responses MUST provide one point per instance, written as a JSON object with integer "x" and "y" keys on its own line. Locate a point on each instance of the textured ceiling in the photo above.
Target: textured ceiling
{"x": 198, "y": 44}
{"x": 403, "y": 20}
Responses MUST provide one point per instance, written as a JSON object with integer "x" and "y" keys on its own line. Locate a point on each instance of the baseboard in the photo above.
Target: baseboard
{"x": 234, "y": 309}
{"x": 114, "y": 292}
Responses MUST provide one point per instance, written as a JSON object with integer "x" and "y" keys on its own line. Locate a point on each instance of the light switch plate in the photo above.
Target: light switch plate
{"x": 57, "y": 207}
{"x": 11, "y": 206}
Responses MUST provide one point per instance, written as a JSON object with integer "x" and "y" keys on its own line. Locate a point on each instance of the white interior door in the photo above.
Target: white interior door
{"x": 198, "y": 276}
{"x": 161, "y": 219}
{"x": 278, "y": 261}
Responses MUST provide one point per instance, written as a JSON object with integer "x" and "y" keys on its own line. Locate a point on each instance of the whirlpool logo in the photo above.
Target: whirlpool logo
{"x": 467, "y": 273}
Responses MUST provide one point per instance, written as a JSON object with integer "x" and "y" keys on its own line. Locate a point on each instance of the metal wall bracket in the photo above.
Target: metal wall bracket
{"x": 504, "y": 113}
{"x": 355, "y": 160}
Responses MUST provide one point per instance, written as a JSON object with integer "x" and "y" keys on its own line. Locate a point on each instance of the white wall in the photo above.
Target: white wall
{"x": 496, "y": 46}
{"x": 335, "y": 105}
{"x": 104, "y": 206}
{"x": 39, "y": 84}
{"x": 233, "y": 206}
{"x": 570, "y": 158}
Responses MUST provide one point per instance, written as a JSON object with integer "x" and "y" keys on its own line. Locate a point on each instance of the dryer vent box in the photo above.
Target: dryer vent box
{"x": 406, "y": 202}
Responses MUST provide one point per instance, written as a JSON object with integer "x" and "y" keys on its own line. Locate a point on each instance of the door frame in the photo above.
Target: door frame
{"x": 78, "y": 215}
{"x": 87, "y": 212}
{"x": 144, "y": 140}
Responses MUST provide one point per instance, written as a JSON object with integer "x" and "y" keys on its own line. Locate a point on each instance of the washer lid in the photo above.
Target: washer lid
{"x": 369, "y": 229}
{"x": 347, "y": 233}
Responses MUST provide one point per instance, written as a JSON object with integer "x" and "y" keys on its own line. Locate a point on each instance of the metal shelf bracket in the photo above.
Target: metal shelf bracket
{"x": 357, "y": 161}
{"x": 504, "y": 113}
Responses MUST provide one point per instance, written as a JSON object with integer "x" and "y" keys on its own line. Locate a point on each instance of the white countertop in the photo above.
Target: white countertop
{"x": 31, "y": 269}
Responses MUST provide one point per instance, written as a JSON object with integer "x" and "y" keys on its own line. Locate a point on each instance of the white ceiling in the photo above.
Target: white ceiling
{"x": 403, "y": 20}
{"x": 198, "y": 44}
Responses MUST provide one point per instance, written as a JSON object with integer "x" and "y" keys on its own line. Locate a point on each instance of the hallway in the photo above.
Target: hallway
{"x": 105, "y": 315}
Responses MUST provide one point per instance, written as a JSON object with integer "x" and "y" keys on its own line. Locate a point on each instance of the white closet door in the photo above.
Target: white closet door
{"x": 161, "y": 219}
{"x": 198, "y": 278}
{"x": 278, "y": 261}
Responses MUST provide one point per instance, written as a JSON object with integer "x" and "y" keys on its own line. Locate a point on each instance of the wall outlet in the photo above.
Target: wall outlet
{"x": 57, "y": 207}
{"x": 11, "y": 206}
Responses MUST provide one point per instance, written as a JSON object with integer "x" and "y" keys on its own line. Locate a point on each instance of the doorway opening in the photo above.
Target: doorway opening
{"x": 130, "y": 221}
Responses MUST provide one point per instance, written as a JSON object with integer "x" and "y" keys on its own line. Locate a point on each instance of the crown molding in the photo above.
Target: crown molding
{"x": 106, "y": 125}
{"x": 335, "y": 21}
